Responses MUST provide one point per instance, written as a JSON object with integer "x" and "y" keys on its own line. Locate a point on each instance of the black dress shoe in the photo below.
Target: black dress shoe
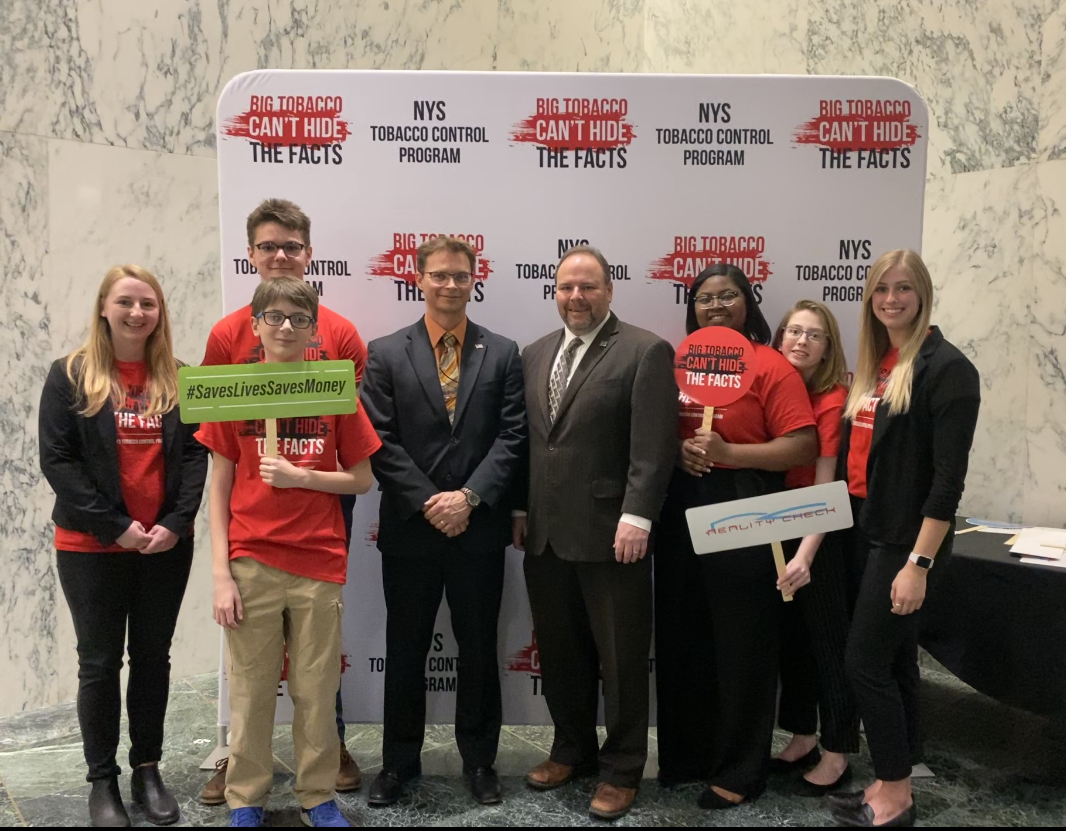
{"x": 863, "y": 817}
{"x": 847, "y": 800}
{"x": 804, "y": 763}
{"x": 149, "y": 792}
{"x": 484, "y": 785}
{"x": 387, "y": 789}
{"x": 711, "y": 800}
{"x": 804, "y": 787}
{"x": 105, "y": 805}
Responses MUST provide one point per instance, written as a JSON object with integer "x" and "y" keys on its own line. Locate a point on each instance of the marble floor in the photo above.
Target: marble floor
{"x": 993, "y": 766}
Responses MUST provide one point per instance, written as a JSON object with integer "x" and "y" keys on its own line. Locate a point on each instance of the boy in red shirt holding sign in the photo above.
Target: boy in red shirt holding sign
{"x": 280, "y": 560}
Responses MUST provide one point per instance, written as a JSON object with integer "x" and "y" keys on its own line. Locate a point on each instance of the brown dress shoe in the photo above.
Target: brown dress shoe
{"x": 611, "y": 802}
{"x": 549, "y": 774}
{"x": 348, "y": 777}
{"x": 214, "y": 792}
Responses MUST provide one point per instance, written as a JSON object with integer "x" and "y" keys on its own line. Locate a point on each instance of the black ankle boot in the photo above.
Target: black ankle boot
{"x": 105, "y": 805}
{"x": 148, "y": 791}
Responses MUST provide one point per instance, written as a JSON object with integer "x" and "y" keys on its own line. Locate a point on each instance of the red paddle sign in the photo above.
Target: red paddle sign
{"x": 713, "y": 364}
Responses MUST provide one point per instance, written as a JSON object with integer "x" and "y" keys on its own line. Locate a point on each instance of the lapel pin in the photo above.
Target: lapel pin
{"x": 479, "y": 346}
{"x": 603, "y": 343}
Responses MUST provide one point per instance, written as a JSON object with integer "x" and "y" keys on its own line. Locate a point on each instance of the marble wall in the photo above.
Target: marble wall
{"x": 107, "y": 154}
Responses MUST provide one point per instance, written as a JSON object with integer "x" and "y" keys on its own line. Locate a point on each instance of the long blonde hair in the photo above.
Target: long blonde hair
{"x": 874, "y": 341}
{"x": 91, "y": 367}
{"x": 833, "y": 368}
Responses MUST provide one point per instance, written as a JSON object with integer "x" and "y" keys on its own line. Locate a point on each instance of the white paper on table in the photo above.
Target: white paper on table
{"x": 1040, "y": 562}
{"x": 1042, "y": 543}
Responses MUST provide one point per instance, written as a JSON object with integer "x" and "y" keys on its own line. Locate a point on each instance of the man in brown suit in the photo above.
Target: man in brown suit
{"x": 602, "y": 407}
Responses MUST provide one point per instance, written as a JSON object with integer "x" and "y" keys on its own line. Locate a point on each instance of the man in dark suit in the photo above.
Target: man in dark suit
{"x": 445, "y": 396}
{"x": 602, "y": 406}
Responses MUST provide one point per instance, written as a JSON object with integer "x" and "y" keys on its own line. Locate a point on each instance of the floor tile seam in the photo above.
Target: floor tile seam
{"x": 51, "y": 748}
{"x": 14, "y": 804}
{"x": 524, "y": 739}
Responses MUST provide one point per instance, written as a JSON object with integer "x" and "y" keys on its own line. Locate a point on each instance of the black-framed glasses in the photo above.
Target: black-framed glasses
{"x": 441, "y": 278}
{"x": 298, "y": 320}
{"x": 813, "y": 335}
{"x": 726, "y": 298}
{"x": 291, "y": 249}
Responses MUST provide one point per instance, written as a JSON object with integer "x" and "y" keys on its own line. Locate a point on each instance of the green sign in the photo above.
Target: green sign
{"x": 254, "y": 391}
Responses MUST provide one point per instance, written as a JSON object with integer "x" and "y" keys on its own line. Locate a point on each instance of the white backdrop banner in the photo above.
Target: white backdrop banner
{"x": 801, "y": 181}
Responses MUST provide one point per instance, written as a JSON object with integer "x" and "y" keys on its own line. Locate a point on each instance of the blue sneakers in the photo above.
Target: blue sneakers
{"x": 326, "y": 815}
{"x": 246, "y": 818}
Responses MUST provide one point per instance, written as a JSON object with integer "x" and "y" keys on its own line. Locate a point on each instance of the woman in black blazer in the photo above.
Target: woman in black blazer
{"x": 128, "y": 478}
{"x": 909, "y": 423}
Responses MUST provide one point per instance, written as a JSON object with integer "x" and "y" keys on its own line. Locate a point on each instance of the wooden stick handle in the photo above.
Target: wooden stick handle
{"x": 272, "y": 438}
{"x": 779, "y": 561}
{"x": 708, "y": 418}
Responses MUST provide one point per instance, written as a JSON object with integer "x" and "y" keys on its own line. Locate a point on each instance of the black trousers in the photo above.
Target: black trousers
{"x": 594, "y": 619}
{"x": 108, "y": 593}
{"x": 414, "y": 585}
{"x": 882, "y": 661}
{"x": 814, "y": 635}
{"x": 716, "y": 656}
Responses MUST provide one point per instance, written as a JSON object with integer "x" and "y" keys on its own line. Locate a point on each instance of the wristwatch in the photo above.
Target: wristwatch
{"x": 917, "y": 559}
{"x": 472, "y": 499}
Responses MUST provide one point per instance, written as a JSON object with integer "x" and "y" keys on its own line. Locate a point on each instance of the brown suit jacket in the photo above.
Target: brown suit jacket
{"x": 612, "y": 447}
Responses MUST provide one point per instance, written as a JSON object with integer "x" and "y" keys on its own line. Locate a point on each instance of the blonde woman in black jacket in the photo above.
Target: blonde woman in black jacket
{"x": 909, "y": 423}
{"x": 128, "y": 477}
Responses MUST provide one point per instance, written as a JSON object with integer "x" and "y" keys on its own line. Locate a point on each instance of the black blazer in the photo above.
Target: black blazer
{"x": 79, "y": 458}
{"x": 612, "y": 446}
{"x": 918, "y": 459}
{"x": 422, "y": 454}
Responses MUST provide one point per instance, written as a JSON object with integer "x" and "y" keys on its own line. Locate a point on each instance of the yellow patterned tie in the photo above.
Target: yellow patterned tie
{"x": 448, "y": 370}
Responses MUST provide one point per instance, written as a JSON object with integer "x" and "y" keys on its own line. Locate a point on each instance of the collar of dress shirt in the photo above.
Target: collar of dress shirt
{"x": 436, "y": 332}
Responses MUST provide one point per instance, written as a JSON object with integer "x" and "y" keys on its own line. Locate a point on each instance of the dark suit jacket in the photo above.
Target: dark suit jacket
{"x": 422, "y": 454}
{"x": 612, "y": 447}
{"x": 79, "y": 458}
{"x": 918, "y": 459}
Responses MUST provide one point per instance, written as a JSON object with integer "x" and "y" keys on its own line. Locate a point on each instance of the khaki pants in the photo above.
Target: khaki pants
{"x": 279, "y": 609}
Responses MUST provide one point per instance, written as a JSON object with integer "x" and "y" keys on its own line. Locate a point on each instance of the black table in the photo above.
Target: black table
{"x": 999, "y": 624}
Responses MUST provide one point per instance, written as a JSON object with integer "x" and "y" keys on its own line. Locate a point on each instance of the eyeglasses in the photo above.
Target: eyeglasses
{"x": 813, "y": 335}
{"x": 298, "y": 320}
{"x": 441, "y": 278}
{"x": 291, "y": 249}
{"x": 726, "y": 298}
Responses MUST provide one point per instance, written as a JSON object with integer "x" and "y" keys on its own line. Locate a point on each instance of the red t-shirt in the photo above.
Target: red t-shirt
{"x": 862, "y": 428}
{"x": 828, "y": 408}
{"x": 140, "y": 461}
{"x": 776, "y": 404}
{"x": 292, "y": 529}
{"x": 232, "y": 341}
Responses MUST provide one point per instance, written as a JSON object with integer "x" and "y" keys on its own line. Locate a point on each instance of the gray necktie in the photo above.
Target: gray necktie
{"x": 557, "y": 386}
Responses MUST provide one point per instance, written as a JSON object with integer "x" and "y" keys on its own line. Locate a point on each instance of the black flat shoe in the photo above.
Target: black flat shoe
{"x": 484, "y": 785}
{"x": 711, "y": 800}
{"x": 779, "y": 767}
{"x": 105, "y": 805}
{"x": 149, "y": 792}
{"x": 847, "y": 800}
{"x": 804, "y": 787}
{"x": 387, "y": 789}
{"x": 863, "y": 817}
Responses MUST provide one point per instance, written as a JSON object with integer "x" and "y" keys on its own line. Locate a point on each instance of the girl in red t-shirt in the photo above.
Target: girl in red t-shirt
{"x": 717, "y": 616}
{"x": 815, "y": 627}
{"x": 128, "y": 478}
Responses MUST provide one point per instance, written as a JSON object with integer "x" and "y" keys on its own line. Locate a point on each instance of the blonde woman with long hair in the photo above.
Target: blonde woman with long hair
{"x": 909, "y": 424}
{"x": 814, "y": 687}
{"x": 128, "y": 477}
